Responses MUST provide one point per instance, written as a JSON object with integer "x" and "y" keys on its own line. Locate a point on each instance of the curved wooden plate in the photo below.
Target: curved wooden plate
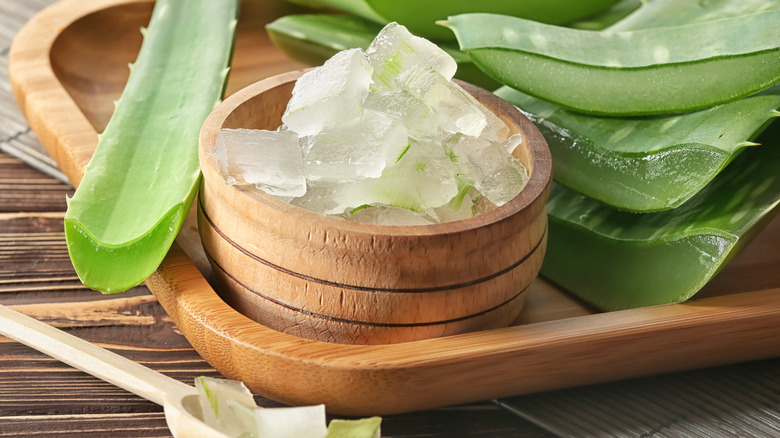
{"x": 68, "y": 65}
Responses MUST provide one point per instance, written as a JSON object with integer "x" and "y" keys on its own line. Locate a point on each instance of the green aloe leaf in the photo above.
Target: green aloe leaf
{"x": 313, "y": 38}
{"x": 421, "y": 16}
{"x": 651, "y": 163}
{"x": 617, "y": 260}
{"x": 643, "y": 72}
{"x": 661, "y": 13}
{"x": 140, "y": 183}
{"x": 608, "y": 17}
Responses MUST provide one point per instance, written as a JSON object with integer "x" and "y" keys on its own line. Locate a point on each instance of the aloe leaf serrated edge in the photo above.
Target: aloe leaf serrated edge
{"x": 142, "y": 178}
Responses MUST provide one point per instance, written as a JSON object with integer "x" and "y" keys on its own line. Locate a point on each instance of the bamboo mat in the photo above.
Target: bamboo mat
{"x": 731, "y": 401}
{"x": 15, "y": 136}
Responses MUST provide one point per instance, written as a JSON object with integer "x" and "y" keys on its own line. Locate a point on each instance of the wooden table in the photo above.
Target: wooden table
{"x": 40, "y": 396}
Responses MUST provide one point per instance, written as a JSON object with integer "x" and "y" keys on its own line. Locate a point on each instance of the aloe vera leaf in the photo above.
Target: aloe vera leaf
{"x": 617, "y": 260}
{"x": 660, "y": 13}
{"x": 644, "y": 72}
{"x": 139, "y": 184}
{"x": 646, "y": 164}
{"x": 608, "y": 17}
{"x": 421, "y": 16}
{"x": 314, "y": 38}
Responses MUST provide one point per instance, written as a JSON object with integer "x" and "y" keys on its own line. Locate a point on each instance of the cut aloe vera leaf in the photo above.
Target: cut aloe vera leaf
{"x": 139, "y": 184}
{"x": 314, "y": 38}
{"x": 660, "y": 13}
{"x": 646, "y": 164}
{"x": 644, "y": 72}
{"x": 618, "y": 260}
{"x": 421, "y": 16}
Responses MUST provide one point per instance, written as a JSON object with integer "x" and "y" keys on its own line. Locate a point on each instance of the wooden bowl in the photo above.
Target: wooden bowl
{"x": 327, "y": 279}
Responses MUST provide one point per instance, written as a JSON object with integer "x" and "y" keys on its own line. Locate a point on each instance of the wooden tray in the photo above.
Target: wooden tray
{"x": 69, "y": 64}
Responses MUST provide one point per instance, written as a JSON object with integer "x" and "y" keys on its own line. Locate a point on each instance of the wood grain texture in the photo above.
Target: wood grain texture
{"x": 572, "y": 347}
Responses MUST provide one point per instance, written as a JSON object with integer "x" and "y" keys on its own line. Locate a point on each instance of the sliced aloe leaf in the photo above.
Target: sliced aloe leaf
{"x": 648, "y": 71}
{"x": 660, "y": 13}
{"x": 421, "y": 16}
{"x": 314, "y": 38}
{"x": 617, "y": 260}
{"x": 651, "y": 163}
{"x": 140, "y": 183}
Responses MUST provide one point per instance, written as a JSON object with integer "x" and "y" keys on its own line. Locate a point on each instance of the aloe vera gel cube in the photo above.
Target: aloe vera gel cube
{"x": 330, "y": 95}
{"x": 395, "y": 49}
{"x": 422, "y": 179}
{"x": 418, "y": 119}
{"x": 497, "y": 175}
{"x": 387, "y": 215}
{"x": 385, "y": 136}
{"x": 455, "y": 109}
{"x": 371, "y": 143}
{"x": 271, "y": 160}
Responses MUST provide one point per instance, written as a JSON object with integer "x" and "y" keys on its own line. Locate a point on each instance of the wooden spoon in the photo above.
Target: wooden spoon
{"x": 179, "y": 400}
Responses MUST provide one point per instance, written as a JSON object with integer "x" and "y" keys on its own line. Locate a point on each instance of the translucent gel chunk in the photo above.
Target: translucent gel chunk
{"x": 456, "y": 109}
{"x": 319, "y": 198}
{"x": 495, "y": 172}
{"x": 496, "y": 129}
{"x": 271, "y": 160}
{"x": 413, "y": 113}
{"x": 395, "y": 49}
{"x": 459, "y": 208}
{"x": 423, "y": 178}
{"x": 330, "y": 94}
{"x": 361, "y": 149}
{"x": 386, "y": 215}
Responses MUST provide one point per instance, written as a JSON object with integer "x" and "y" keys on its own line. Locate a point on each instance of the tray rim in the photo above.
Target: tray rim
{"x": 385, "y": 379}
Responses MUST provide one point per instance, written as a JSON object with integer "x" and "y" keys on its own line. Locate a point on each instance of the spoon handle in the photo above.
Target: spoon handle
{"x": 90, "y": 358}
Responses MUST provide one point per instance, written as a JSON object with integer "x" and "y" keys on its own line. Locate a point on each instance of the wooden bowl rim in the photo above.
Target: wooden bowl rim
{"x": 537, "y": 183}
